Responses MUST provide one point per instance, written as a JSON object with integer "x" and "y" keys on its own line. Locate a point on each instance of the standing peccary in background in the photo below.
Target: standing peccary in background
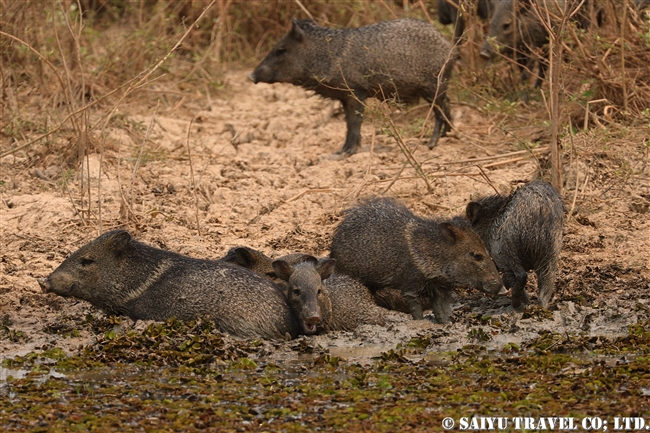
{"x": 517, "y": 32}
{"x": 448, "y": 13}
{"x": 522, "y": 231}
{"x": 381, "y": 243}
{"x": 403, "y": 59}
{"x": 123, "y": 276}
{"x": 344, "y": 303}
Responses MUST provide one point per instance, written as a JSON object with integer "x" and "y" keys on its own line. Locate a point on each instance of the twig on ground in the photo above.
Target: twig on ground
{"x": 189, "y": 156}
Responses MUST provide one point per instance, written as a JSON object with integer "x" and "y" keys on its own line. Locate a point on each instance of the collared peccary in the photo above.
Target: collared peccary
{"x": 122, "y": 276}
{"x": 393, "y": 299}
{"x": 517, "y": 31}
{"x": 522, "y": 231}
{"x": 382, "y": 243}
{"x": 261, "y": 264}
{"x": 343, "y": 303}
{"x": 404, "y": 59}
{"x": 308, "y": 297}
{"x": 448, "y": 13}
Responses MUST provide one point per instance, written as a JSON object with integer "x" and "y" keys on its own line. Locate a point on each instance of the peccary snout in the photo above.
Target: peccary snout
{"x": 487, "y": 51}
{"x": 46, "y": 287}
{"x": 252, "y": 77}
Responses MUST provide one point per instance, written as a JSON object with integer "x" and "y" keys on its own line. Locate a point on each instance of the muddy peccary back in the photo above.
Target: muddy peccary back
{"x": 522, "y": 231}
{"x": 399, "y": 59}
{"x": 123, "y": 276}
{"x": 381, "y": 243}
{"x": 344, "y": 303}
{"x": 393, "y": 299}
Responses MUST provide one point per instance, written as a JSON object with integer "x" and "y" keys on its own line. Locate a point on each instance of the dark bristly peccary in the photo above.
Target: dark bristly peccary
{"x": 260, "y": 263}
{"x": 448, "y": 13}
{"x": 393, "y": 299}
{"x": 344, "y": 303}
{"x": 122, "y": 276}
{"x": 308, "y": 297}
{"x": 382, "y": 243}
{"x": 403, "y": 59}
{"x": 516, "y": 31}
{"x": 522, "y": 231}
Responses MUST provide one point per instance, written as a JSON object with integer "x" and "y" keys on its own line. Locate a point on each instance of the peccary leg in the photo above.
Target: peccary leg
{"x": 415, "y": 307}
{"x": 353, "y": 117}
{"x": 546, "y": 284}
{"x": 441, "y": 304}
{"x": 516, "y": 279}
{"x": 441, "y": 125}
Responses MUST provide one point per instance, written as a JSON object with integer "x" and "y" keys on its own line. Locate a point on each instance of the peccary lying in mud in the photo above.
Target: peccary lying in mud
{"x": 122, "y": 276}
{"x": 258, "y": 262}
{"x": 522, "y": 231}
{"x": 343, "y": 303}
{"x": 382, "y": 243}
{"x": 403, "y": 59}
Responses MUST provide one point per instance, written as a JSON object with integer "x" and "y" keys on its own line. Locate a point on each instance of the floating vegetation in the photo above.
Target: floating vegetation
{"x": 188, "y": 377}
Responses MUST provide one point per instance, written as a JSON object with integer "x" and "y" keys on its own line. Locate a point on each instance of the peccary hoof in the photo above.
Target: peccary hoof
{"x": 520, "y": 302}
{"x": 346, "y": 152}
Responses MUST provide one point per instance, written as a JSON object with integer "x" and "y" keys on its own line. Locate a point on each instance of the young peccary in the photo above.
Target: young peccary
{"x": 123, "y": 276}
{"x": 261, "y": 264}
{"x": 403, "y": 59}
{"x": 381, "y": 243}
{"x": 522, "y": 231}
{"x": 343, "y": 303}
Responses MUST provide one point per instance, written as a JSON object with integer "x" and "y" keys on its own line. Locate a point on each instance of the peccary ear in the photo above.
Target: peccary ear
{"x": 326, "y": 268}
{"x": 244, "y": 256}
{"x": 119, "y": 241}
{"x": 450, "y": 232}
{"x": 296, "y": 32}
{"x": 473, "y": 212}
{"x": 308, "y": 258}
{"x": 283, "y": 270}
{"x": 422, "y": 245}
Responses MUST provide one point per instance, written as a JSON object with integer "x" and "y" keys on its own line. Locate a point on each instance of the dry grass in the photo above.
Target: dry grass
{"x": 64, "y": 73}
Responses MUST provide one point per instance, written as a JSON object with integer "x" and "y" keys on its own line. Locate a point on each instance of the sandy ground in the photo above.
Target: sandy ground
{"x": 264, "y": 176}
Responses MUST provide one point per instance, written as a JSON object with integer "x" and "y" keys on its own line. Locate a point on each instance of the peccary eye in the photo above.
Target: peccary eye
{"x": 86, "y": 262}
{"x": 296, "y": 292}
{"x": 506, "y": 26}
{"x": 280, "y": 51}
{"x": 478, "y": 257}
{"x": 320, "y": 291}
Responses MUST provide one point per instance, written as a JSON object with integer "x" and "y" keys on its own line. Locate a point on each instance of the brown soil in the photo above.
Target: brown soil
{"x": 265, "y": 177}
